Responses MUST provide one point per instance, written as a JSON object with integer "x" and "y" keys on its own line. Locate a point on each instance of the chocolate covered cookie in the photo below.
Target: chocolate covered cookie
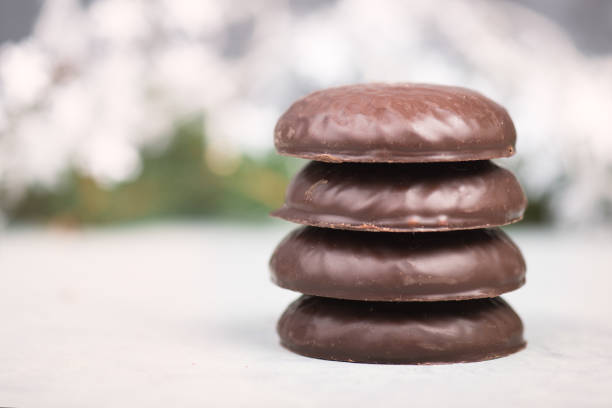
{"x": 398, "y": 267}
{"x": 401, "y": 333}
{"x": 403, "y": 197}
{"x": 395, "y": 123}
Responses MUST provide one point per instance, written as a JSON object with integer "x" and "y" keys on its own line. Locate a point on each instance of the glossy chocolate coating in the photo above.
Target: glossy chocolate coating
{"x": 395, "y": 123}
{"x": 403, "y": 197}
{"x": 401, "y": 333}
{"x": 387, "y": 266}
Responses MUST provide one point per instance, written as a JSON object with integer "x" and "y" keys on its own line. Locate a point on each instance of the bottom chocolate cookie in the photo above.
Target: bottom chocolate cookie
{"x": 401, "y": 333}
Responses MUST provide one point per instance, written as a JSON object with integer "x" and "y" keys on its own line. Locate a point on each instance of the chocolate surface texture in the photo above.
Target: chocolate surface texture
{"x": 404, "y": 197}
{"x": 395, "y": 123}
{"x": 401, "y": 333}
{"x": 398, "y": 267}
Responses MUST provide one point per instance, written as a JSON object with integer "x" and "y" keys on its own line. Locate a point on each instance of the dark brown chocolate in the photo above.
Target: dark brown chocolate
{"x": 401, "y": 333}
{"x": 395, "y": 123}
{"x": 404, "y": 197}
{"x": 387, "y": 266}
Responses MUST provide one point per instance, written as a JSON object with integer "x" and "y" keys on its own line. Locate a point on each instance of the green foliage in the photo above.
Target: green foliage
{"x": 537, "y": 211}
{"x": 177, "y": 182}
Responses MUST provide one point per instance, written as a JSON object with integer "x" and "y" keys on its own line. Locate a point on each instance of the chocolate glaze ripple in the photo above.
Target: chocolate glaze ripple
{"x": 395, "y": 123}
{"x": 404, "y": 197}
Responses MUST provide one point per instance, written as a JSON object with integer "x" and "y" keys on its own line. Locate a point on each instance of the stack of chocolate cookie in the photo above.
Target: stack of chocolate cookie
{"x": 402, "y": 259}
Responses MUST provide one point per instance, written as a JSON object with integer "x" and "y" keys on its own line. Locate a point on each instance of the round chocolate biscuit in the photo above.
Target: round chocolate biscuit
{"x": 403, "y": 197}
{"x": 401, "y": 333}
{"x": 395, "y": 123}
{"x": 386, "y": 266}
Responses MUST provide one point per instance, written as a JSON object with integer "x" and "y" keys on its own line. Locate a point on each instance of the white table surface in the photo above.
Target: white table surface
{"x": 183, "y": 315}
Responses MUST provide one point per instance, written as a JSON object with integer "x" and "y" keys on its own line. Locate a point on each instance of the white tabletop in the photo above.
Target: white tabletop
{"x": 183, "y": 314}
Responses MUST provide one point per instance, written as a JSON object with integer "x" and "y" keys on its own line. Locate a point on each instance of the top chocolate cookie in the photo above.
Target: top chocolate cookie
{"x": 395, "y": 123}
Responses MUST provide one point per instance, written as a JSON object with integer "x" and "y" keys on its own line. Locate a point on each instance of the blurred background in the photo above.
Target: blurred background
{"x": 137, "y": 171}
{"x": 115, "y": 111}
